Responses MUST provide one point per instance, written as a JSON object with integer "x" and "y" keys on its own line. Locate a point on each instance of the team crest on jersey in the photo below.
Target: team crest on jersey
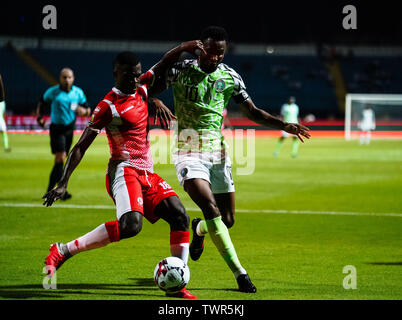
{"x": 139, "y": 200}
{"x": 184, "y": 172}
{"x": 219, "y": 85}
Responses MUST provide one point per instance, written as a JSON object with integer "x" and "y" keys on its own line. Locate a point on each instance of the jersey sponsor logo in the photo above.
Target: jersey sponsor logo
{"x": 127, "y": 109}
{"x": 219, "y": 85}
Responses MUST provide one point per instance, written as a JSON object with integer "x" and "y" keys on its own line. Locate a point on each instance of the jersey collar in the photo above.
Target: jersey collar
{"x": 117, "y": 91}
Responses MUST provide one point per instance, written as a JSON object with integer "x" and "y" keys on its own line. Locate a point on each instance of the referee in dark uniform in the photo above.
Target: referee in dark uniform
{"x": 66, "y": 101}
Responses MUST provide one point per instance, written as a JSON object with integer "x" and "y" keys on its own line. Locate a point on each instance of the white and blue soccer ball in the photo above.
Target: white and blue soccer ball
{"x": 171, "y": 274}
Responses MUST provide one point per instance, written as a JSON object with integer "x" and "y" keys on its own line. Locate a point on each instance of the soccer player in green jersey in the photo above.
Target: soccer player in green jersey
{"x": 202, "y": 88}
{"x": 290, "y": 114}
{"x": 3, "y": 126}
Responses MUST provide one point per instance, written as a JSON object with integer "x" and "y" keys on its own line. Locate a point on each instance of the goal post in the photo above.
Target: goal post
{"x": 386, "y": 107}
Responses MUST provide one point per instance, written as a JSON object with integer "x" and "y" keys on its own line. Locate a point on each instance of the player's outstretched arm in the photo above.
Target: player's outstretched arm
{"x": 264, "y": 118}
{"x": 74, "y": 158}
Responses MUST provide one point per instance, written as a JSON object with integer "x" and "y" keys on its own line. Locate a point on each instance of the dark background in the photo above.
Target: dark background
{"x": 378, "y": 23}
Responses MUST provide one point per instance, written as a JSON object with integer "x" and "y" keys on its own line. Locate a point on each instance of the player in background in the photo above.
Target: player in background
{"x": 290, "y": 114}
{"x": 66, "y": 101}
{"x": 130, "y": 181}
{"x": 3, "y": 126}
{"x": 366, "y": 124}
{"x": 202, "y": 88}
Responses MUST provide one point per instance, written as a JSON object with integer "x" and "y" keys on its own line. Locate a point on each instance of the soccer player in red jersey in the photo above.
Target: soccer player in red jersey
{"x": 130, "y": 181}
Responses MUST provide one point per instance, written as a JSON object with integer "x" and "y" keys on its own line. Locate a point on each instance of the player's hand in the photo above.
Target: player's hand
{"x": 41, "y": 121}
{"x": 82, "y": 111}
{"x": 195, "y": 47}
{"x": 297, "y": 129}
{"x": 162, "y": 113}
{"x": 53, "y": 195}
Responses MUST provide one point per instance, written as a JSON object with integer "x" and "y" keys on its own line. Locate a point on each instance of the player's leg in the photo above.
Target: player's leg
{"x": 222, "y": 186}
{"x": 57, "y": 145}
{"x": 161, "y": 201}
{"x": 173, "y": 212}
{"x": 295, "y": 147}
{"x": 3, "y": 130}
{"x": 279, "y": 144}
{"x": 127, "y": 226}
{"x": 368, "y": 137}
{"x": 226, "y": 204}
{"x": 362, "y": 134}
{"x": 126, "y": 192}
{"x": 200, "y": 192}
{"x": 57, "y": 170}
{"x": 68, "y": 138}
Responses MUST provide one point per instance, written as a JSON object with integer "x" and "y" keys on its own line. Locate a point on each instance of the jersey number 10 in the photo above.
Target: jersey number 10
{"x": 192, "y": 93}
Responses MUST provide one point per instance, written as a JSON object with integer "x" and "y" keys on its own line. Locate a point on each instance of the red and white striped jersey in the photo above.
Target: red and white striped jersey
{"x": 125, "y": 119}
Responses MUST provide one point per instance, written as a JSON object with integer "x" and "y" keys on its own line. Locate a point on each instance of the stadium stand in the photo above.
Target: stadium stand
{"x": 380, "y": 74}
{"x": 270, "y": 78}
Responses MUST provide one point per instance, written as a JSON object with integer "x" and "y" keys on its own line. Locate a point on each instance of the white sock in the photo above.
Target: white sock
{"x": 368, "y": 136}
{"x": 180, "y": 251}
{"x": 96, "y": 238}
{"x": 179, "y": 244}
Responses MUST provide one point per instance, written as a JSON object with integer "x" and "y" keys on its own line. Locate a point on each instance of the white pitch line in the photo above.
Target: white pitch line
{"x": 105, "y": 207}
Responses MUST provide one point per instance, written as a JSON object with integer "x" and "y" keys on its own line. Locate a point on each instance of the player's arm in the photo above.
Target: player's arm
{"x": 264, "y": 118}
{"x": 2, "y": 95}
{"x": 39, "y": 112}
{"x": 101, "y": 116}
{"x": 193, "y": 47}
{"x": 74, "y": 158}
{"x": 83, "y": 110}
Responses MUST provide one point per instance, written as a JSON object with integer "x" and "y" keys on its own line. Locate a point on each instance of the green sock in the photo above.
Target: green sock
{"x": 220, "y": 237}
{"x": 295, "y": 147}
{"x": 5, "y": 140}
{"x": 278, "y": 146}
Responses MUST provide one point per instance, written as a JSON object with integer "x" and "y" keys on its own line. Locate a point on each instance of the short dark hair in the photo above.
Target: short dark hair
{"x": 215, "y": 33}
{"x": 126, "y": 57}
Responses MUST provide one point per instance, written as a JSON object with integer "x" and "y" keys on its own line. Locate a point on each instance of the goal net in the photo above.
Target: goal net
{"x": 384, "y": 120}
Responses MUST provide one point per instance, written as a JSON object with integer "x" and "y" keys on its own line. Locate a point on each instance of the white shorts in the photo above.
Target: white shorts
{"x": 286, "y": 134}
{"x": 3, "y": 126}
{"x": 207, "y": 166}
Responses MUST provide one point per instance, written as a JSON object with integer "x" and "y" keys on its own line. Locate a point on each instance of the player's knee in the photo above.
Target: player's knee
{"x": 60, "y": 157}
{"x": 228, "y": 220}
{"x": 130, "y": 224}
{"x": 211, "y": 210}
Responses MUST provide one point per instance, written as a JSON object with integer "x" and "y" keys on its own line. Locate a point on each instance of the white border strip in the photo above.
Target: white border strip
{"x": 105, "y": 207}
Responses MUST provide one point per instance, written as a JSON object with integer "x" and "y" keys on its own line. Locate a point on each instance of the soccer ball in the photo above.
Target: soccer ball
{"x": 171, "y": 274}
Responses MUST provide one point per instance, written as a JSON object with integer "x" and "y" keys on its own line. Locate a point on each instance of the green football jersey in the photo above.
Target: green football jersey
{"x": 199, "y": 101}
{"x": 290, "y": 113}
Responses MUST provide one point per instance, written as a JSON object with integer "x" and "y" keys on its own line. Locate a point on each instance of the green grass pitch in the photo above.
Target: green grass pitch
{"x": 299, "y": 223}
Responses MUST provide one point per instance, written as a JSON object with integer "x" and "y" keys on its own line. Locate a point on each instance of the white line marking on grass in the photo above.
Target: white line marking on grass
{"x": 106, "y": 207}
